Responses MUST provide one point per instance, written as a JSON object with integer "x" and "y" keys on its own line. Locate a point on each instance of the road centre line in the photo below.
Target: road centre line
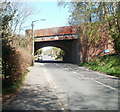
{"x": 104, "y": 84}
{"x": 96, "y": 81}
{"x": 93, "y": 80}
{"x": 79, "y": 74}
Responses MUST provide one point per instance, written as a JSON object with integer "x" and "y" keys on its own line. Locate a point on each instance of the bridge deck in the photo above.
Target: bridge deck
{"x": 53, "y": 38}
{"x": 57, "y": 33}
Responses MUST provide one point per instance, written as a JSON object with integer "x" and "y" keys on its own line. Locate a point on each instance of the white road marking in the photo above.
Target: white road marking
{"x": 79, "y": 74}
{"x": 96, "y": 81}
{"x": 104, "y": 84}
{"x": 98, "y": 73}
{"x": 92, "y": 80}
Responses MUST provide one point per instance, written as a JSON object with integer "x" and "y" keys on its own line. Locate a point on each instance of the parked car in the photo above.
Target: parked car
{"x": 40, "y": 58}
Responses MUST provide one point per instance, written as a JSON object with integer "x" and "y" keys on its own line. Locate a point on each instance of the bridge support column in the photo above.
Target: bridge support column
{"x": 68, "y": 56}
{"x": 76, "y": 51}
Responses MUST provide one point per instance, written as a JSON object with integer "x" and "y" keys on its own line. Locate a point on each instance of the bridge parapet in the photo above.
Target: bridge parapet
{"x": 66, "y": 30}
{"x": 59, "y": 37}
{"x": 57, "y": 33}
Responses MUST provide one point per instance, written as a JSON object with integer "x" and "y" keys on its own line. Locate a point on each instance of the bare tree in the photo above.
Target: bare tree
{"x": 13, "y": 16}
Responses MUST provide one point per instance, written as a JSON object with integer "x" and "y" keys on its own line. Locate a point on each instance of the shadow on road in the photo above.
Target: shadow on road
{"x": 36, "y": 98}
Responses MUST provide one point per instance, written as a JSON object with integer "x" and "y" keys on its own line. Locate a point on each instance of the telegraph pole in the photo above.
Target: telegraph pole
{"x": 33, "y": 33}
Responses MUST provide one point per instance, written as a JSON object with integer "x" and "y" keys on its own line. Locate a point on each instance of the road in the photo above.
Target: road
{"x": 80, "y": 89}
{"x": 63, "y": 86}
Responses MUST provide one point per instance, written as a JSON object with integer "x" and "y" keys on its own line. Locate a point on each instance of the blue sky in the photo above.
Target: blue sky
{"x": 55, "y": 16}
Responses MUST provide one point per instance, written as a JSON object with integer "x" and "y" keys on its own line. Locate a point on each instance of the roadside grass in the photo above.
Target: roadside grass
{"x": 15, "y": 85}
{"x": 109, "y": 64}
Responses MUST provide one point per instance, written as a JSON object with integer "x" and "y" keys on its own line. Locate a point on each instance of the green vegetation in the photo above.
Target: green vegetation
{"x": 109, "y": 64}
{"x": 15, "y": 85}
{"x": 97, "y": 23}
{"x": 39, "y": 51}
{"x": 59, "y": 53}
{"x": 55, "y": 52}
{"x": 16, "y": 49}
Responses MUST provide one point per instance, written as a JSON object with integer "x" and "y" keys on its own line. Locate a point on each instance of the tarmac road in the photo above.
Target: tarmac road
{"x": 80, "y": 89}
{"x": 62, "y": 86}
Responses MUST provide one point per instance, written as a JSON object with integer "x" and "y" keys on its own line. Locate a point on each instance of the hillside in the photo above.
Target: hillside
{"x": 109, "y": 64}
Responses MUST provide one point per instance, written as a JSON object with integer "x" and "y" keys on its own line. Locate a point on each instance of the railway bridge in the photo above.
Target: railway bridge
{"x": 64, "y": 38}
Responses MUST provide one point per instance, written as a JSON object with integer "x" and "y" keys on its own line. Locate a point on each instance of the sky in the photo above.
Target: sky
{"x": 55, "y": 16}
{"x": 44, "y": 9}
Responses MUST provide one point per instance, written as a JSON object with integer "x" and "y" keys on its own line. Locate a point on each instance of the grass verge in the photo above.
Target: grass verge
{"x": 109, "y": 64}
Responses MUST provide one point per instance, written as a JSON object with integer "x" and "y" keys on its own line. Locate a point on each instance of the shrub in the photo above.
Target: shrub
{"x": 15, "y": 60}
